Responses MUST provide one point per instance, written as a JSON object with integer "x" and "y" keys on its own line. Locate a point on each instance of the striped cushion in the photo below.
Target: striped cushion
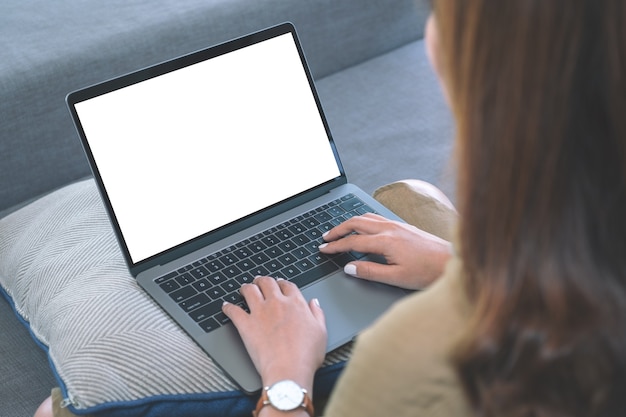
{"x": 111, "y": 347}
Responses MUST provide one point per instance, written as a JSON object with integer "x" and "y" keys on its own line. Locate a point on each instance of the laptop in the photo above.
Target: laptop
{"x": 219, "y": 166}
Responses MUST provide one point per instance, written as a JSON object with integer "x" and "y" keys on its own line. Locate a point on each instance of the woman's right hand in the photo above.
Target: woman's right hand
{"x": 414, "y": 257}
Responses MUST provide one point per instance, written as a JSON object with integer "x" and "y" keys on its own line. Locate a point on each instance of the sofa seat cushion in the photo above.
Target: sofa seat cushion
{"x": 111, "y": 348}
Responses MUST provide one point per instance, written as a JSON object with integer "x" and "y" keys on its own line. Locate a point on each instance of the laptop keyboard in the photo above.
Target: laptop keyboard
{"x": 289, "y": 251}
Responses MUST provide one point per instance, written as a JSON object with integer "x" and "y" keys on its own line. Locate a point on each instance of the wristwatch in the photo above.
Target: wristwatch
{"x": 285, "y": 396}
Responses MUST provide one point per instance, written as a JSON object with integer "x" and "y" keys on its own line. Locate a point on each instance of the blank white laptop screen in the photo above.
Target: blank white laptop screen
{"x": 187, "y": 152}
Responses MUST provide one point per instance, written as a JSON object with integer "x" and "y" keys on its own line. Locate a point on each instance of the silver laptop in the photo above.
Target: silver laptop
{"x": 219, "y": 166}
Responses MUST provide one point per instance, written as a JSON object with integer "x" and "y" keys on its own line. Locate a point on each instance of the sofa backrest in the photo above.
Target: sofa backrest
{"x": 54, "y": 47}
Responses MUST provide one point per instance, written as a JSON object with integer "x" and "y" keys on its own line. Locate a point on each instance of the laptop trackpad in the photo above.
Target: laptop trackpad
{"x": 351, "y": 304}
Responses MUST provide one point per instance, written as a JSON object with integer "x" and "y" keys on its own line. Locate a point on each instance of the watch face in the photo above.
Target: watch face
{"x": 285, "y": 395}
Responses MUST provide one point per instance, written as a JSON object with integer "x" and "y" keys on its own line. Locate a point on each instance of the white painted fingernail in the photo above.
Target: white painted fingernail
{"x": 317, "y": 302}
{"x": 280, "y": 279}
{"x": 325, "y": 233}
{"x": 323, "y": 245}
{"x": 350, "y": 269}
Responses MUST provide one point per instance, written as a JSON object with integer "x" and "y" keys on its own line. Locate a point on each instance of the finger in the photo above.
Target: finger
{"x": 317, "y": 311}
{"x": 365, "y": 243}
{"x": 252, "y": 294}
{"x": 371, "y": 271}
{"x": 287, "y": 287}
{"x": 367, "y": 223}
{"x": 235, "y": 313}
{"x": 268, "y": 287}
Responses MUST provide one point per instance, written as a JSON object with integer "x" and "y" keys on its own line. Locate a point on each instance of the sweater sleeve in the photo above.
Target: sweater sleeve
{"x": 401, "y": 365}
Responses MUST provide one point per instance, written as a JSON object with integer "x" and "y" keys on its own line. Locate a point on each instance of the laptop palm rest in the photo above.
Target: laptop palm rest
{"x": 352, "y": 303}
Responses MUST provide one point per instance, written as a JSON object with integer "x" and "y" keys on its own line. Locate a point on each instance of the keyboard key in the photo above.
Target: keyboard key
{"x": 216, "y": 292}
{"x": 304, "y": 264}
{"x": 350, "y": 215}
{"x": 314, "y": 274}
{"x": 169, "y": 286}
{"x": 209, "y": 325}
{"x": 245, "y": 265}
{"x": 166, "y": 277}
{"x": 365, "y": 209}
{"x": 214, "y": 265}
{"x": 184, "y": 279}
{"x": 352, "y": 204}
{"x": 313, "y": 246}
{"x": 322, "y": 217}
{"x": 184, "y": 269}
{"x": 287, "y": 245}
{"x": 243, "y": 253}
{"x": 336, "y": 211}
{"x": 260, "y": 258}
{"x": 272, "y": 266}
{"x": 287, "y": 259}
{"x": 183, "y": 293}
{"x": 301, "y": 252}
{"x": 199, "y": 272}
{"x": 289, "y": 272}
{"x": 325, "y": 227}
{"x": 222, "y": 318}
{"x": 259, "y": 271}
{"x": 247, "y": 278}
{"x": 297, "y": 228}
{"x": 217, "y": 278}
{"x": 230, "y": 286}
{"x": 202, "y": 285}
{"x": 313, "y": 234}
{"x": 257, "y": 246}
{"x": 337, "y": 221}
{"x": 284, "y": 234}
{"x": 233, "y": 298}
{"x": 229, "y": 259}
{"x": 194, "y": 302}
{"x": 270, "y": 240}
{"x": 273, "y": 252}
{"x": 232, "y": 271}
{"x": 206, "y": 311}
{"x": 318, "y": 258}
{"x": 301, "y": 240}
{"x": 311, "y": 222}
{"x": 343, "y": 258}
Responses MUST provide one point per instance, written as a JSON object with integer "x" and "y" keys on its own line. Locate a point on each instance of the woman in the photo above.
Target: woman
{"x": 530, "y": 319}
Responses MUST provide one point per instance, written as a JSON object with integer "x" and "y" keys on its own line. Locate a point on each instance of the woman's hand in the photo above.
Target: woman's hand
{"x": 284, "y": 335}
{"x": 414, "y": 258}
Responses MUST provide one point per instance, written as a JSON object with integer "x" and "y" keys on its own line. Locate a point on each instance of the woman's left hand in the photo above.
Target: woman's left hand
{"x": 284, "y": 334}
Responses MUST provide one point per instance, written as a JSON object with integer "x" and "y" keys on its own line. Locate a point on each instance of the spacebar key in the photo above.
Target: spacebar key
{"x": 314, "y": 274}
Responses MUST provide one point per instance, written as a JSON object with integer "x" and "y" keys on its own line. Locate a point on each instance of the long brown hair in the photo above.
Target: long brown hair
{"x": 538, "y": 89}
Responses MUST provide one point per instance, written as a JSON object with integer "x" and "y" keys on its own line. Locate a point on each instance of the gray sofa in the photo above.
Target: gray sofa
{"x": 382, "y": 102}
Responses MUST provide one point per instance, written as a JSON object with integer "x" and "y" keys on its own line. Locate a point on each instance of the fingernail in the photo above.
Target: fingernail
{"x": 350, "y": 269}
{"x": 225, "y": 303}
{"x": 280, "y": 279}
{"x": 317, "y": 302}
{"x": 325, "y": 233}
{"x": 322, "y": 246}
